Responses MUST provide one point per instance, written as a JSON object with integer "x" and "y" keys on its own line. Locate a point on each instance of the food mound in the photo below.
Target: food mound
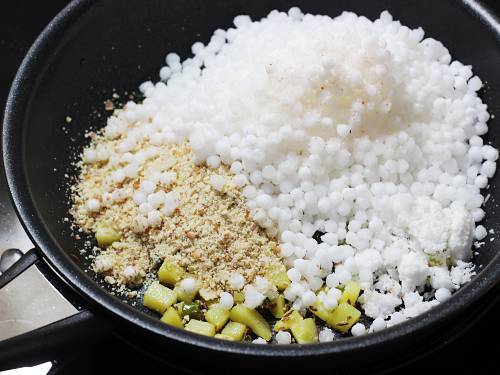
{"x": 300, "y": 168}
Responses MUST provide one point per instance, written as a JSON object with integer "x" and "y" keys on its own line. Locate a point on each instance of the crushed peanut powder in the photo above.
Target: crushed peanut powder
{"x": 211, "y": 234}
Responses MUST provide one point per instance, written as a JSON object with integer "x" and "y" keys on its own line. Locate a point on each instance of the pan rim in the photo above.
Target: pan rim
{"x": 14, "y": 117}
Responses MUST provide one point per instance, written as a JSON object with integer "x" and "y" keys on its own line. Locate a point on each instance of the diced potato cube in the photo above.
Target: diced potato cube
{"x": 171, "y": 316}
{"x": 200, "y": 327}
{"x": 291, "y": 317}
{"x": 344, "y": 317}
{"x": 106, "y": 235}
{"x": 276, "y": 274}
{"x": 305, "y": 331}
{"x": 278, "y": 307}
{"x": 224, "y": 337}
{"x": 234, "y": 330}
{"x": 158, "y": 297}
{"x": 218, "y": 316}
{"x": 169, "y": 273}
{"x": 341, "y": 319}
{"x": 320, "y": 311}
{"x": 350, "y": 293}
{"x": 183, "y": 295}
{"x": 252, "y": 319}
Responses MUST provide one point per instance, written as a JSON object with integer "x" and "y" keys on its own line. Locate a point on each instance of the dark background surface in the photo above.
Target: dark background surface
{"x": 476, "y": 351}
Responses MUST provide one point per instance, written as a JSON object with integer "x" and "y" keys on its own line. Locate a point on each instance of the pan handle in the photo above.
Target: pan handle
{"x": 24, "y": 262}
{"x": 52, "y": 341}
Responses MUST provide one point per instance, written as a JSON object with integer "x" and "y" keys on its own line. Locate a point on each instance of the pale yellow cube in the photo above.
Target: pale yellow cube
{"x": 158, "y": 297}
{"x": 200, "y": 327}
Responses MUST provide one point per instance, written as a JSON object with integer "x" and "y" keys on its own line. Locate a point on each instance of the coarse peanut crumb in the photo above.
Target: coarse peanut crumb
{"x": 211, "y": 234}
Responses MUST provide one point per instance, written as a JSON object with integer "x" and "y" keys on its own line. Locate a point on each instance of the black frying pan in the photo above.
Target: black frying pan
{"x": 93, "y": 48}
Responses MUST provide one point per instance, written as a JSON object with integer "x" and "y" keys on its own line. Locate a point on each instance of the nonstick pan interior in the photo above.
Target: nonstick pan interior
{"x": 113, "y": 46}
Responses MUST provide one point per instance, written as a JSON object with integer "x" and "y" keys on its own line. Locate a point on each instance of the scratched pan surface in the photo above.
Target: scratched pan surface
{"x": 95, "y": 48}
